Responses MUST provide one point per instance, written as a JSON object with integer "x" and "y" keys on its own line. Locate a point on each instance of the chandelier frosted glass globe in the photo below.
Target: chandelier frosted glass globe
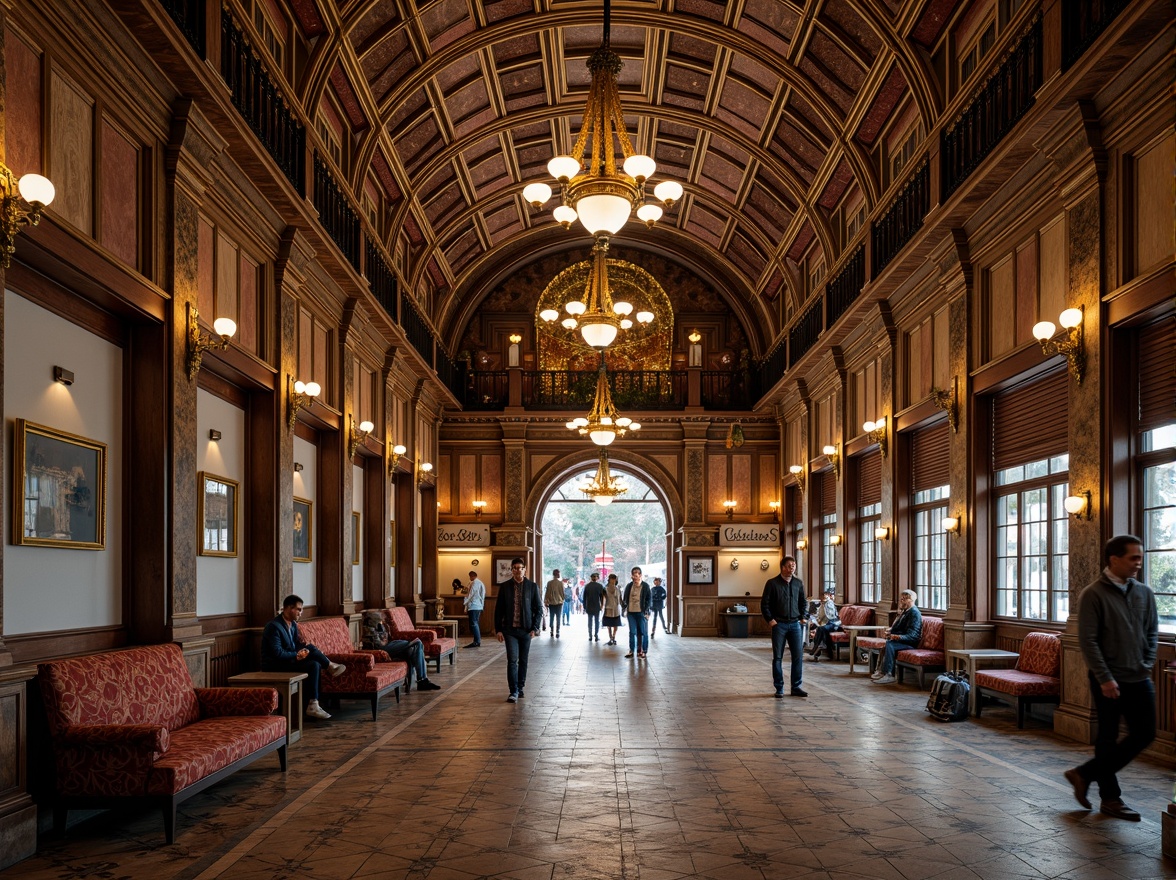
{"x": 602, "y": 438}
{"x": 603, "y": 213}
{"x": 598, "y": 335}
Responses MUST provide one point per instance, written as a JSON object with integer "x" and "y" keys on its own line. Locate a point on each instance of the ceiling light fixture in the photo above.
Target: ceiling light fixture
{"x": 602, "y": 424}
{"x": 603, "y": 488}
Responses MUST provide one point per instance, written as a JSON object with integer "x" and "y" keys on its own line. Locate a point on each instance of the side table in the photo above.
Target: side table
{"x": 970, "y": 658}
{"x": 853, "y": 634}
{"x": 289, "y": 696}
{"x": 451, "y": 626}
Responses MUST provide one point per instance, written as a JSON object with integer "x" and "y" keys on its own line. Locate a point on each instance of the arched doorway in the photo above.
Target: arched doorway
{"x": 625, "y": 529}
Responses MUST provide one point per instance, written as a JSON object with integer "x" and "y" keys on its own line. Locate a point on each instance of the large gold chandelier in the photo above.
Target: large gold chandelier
{"x": 603, "y": 488}
{"x": 597, "y": 193}
{"x": 603, "y": 425}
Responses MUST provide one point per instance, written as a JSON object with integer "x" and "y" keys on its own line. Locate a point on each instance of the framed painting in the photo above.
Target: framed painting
{"x": 354, "y": 538}
{"x": 59, "y": 489}
{"x": 700, "y": 570}
{"x": 501, "y": 569}
{"x": 216, "y": 511}
{"x": 302, "y": 529}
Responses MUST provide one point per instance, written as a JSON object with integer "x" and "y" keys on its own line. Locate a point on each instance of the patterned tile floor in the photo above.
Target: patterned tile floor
{"x": 680, "y": 766}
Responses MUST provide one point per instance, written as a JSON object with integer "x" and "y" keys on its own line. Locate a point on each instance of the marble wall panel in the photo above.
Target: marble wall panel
{"x": 22, "y": 106}
{"x": 71, "y": 147}
{"x": 119, "y": 233}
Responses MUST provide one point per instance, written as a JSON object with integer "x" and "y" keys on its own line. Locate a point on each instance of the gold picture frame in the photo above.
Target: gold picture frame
{"x": 216, "y": 513}
{"x": 302, "y": 529}
{"x": 355, "y": 521}
{"x": 59, "y": 489}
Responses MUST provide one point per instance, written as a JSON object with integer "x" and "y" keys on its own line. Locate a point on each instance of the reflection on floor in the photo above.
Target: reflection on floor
{"x": 679, "y": 766}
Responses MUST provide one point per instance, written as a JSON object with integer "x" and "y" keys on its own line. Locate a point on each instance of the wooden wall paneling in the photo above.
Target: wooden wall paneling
{"x": 1002, "y": 304}
{"x": 120, "y": 215}
{"x": 768, "y": 481}
{"x": 227, "y": 266}
{"x": 467, "y": 479}
{"x": 249, "y": 307}
{"x": 492, "y": 483}
{"x": 376, "y": 513}
{"x": 321, "y": 359}
{"x": 269, "y": 465}
{"x": 205, "y": 268}
{"x": 914, "y": 377}
{"x": 71, "y": 152}
{"x": 1052, "y": 269}
{"x": 406, "y": 495}
{"x": 447, "y": 487}
{"x": 1026, "y": 285}
{"x": 941, "y": 372}
{"x": 18, "y": 813}
{"x": 332, "y": 505}
{"x": 1151, "y": 198}
{"x": 716, "y": 483}
{"x": 22, "y": 105}
{"x": 741, "y": 484}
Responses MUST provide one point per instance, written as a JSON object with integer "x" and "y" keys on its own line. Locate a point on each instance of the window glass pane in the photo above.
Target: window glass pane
{"x": 1060, "y": 464}
{"x": 1036, "y": 469}
{"x": 1010, "y": 475}
{"x": 1163, "y": 437}
{"x": 1159, "y": 486}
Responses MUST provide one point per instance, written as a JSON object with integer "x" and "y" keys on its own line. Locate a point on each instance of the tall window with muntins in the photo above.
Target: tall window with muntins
{"x": 828, "y": 551}
{"x": 930, "y": 547}
{"x": 869, "y": 553}
{"x": 1157, "y": 475}
{"x": 1032, "y": 541}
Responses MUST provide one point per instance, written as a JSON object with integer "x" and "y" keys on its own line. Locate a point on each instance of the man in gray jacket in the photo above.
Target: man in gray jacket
{"x": 1118, "y": 632}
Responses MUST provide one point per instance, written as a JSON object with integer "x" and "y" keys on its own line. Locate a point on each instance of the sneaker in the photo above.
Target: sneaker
{"x": 314, "y": 710}
{"x": 630, "y": 654}
{"x": 336, "y": 669}
{"x": 557, "y": 635}
{"x": 875, "y": 675}
{"x": 598, "y": 638}
{"x": 799, "y": 692}
{"x": 885, "y": 679}
{"x": 779, "y": 695}
{"x": 425, "y": 685}
{"x": 513, "y": 698}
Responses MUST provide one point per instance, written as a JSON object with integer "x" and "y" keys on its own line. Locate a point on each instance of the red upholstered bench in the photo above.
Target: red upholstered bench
{"x": 1035, "y": 679}
{"x": 369, "y": 675}
{"x": 436, "y": 643}
{"x": 851, "y": 615}
{"x": 925, "y": 657}
{"x": 129, "y": 726}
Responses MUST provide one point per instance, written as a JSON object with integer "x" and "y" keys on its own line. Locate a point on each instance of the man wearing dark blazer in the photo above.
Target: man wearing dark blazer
{"x": 785, "y": 607}
{"x": 518, "y": 609}
{"x": 284, "y": 650}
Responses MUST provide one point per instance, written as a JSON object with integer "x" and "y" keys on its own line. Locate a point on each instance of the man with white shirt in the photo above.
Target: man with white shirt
{"x": 474, "y": 602}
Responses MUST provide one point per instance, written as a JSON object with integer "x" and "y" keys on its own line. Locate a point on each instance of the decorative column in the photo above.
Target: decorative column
{"x": 888, "y": 404}
{"x": 697, "y": 608}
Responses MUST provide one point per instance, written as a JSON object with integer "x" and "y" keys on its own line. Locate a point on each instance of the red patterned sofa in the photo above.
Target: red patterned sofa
{"x": 436, "y": 643}
{"x": 370, "y": 674}
{"x": 1035, "y": 679}
{"x": 850, "y": 615}
{"x": 927, "y": 656}
{"x": 129, "y": 725}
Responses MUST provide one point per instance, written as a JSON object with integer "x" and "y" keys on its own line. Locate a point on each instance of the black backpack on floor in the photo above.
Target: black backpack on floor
{"x": 949, "y": 697}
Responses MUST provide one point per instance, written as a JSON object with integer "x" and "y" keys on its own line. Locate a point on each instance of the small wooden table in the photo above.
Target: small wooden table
{"x": 289, "y": 696}
{"x": 853, "y": 634}
{"x": 970, "y": 658}
{"x": 451, "y": 626}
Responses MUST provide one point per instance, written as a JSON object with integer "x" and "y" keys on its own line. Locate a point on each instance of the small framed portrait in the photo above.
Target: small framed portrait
{"x": 391, "y": 542}
{"x": 303, "y": 528}
{"x": 700, "y": 570}
{"x": 59, "y": 489}
{"x": 354, "y": 538}
{"x": 501, "y": 569}
{"x": 216, "y": 511}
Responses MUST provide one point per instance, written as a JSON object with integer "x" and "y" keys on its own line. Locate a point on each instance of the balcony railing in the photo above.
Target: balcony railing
{"x": 903, "y": 219}
{"x": 804, "y": 332}
{"x": 843, "y": 290}
{"x": 774, "y": 366}
{"x": 993, "y": 112}
{"x": 630, "y": 389}
{"x": 416, "y": 330}
{"x": 381, "y": 279}
{"x": 723, "y": 389}
{"x": 486, "y": 390}
{"x": 189, "y": 18}
{"x": 261, "y": 105}
{"x": 451, "y": 373}
{"x": 1082, "y": 22}
{"x": 335, "y": 214}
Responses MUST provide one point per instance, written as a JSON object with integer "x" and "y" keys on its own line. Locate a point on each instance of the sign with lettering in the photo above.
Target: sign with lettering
{"x": 463, "y": 535}
{"x": 749, "y": 535}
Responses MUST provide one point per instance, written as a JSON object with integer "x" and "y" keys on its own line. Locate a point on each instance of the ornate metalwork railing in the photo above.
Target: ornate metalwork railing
{"x": 335, "y": 214}
{"x": 381, "y": 279}
{"x": 843, "y": 290}
{"x": 189, "y": 18}
{"x": 805, "y": 332}
{"x": 416, "y": 330}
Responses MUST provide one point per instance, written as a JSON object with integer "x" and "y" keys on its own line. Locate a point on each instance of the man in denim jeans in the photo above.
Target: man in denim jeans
{"x": 903, "y": 633}
{"x": 785, "y": 606}
{"x": 517, "y": 611}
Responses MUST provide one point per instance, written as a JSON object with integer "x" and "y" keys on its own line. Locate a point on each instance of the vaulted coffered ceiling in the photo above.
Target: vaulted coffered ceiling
{"x": 766, "y": 111}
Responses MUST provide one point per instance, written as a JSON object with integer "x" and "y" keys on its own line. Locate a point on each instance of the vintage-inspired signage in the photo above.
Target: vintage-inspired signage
{"x": 463, "y": 535}
{"x": 749, "y": 535}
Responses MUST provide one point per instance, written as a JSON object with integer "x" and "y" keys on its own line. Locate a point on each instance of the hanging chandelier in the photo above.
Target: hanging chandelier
{"x": 597, "y": 193}
{"x": 603, "y": 425}
{"x": 603, "y": 488}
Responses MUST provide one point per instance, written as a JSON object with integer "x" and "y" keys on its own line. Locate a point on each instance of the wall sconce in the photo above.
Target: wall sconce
{"x": 734, "y": 565}
{"x": 299, "y": 394}
{"x": 798, "y": 472}
{"x": 1072, "y": 345}
{"x": 876, "y": 433}
{"x": 198, "y": 343}
{"x": 775, "y": 505}
{"x": 1078, "y": 505}
{"x": 512, "y": 353}
{"x": 21, "y": 203}
{"x": 479, "y": 506}
{"x": 835, "y": 540}
{"x": 354, "y": 438}
{"x": 951, "y": 525}
{"x": 834, "y": 459}
{"x": 695, "y": 349}
{"x": 730, "y": 506}
{"x": 397, "y": 451}
{"x": 62, "y": 375}
{"x": 802, "y": 544}
{"x": 882, "y": 533}
{"x": 297, "y": 467}
{"x": 214, "y": 434}
{"x": 423, "y": 471}
{"x": 949, "y": 401}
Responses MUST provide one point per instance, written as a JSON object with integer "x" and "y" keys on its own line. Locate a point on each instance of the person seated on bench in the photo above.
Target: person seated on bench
{"x": 903, "y": 633}
{"x": 827, "y": 621}
{"x": 375, "y": 636}
{"x": 284, "y": 650}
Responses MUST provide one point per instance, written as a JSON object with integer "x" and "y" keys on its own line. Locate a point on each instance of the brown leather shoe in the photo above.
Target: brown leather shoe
{"x": 1119, "y": 810}
{"x": 1080, "y": 786}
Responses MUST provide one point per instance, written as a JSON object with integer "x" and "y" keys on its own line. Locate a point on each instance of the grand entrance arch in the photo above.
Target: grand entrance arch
{"x": 545, "y": 489}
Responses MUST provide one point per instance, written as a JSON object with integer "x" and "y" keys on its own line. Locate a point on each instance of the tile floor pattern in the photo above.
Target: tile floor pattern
{"x": 683, "y": 766}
